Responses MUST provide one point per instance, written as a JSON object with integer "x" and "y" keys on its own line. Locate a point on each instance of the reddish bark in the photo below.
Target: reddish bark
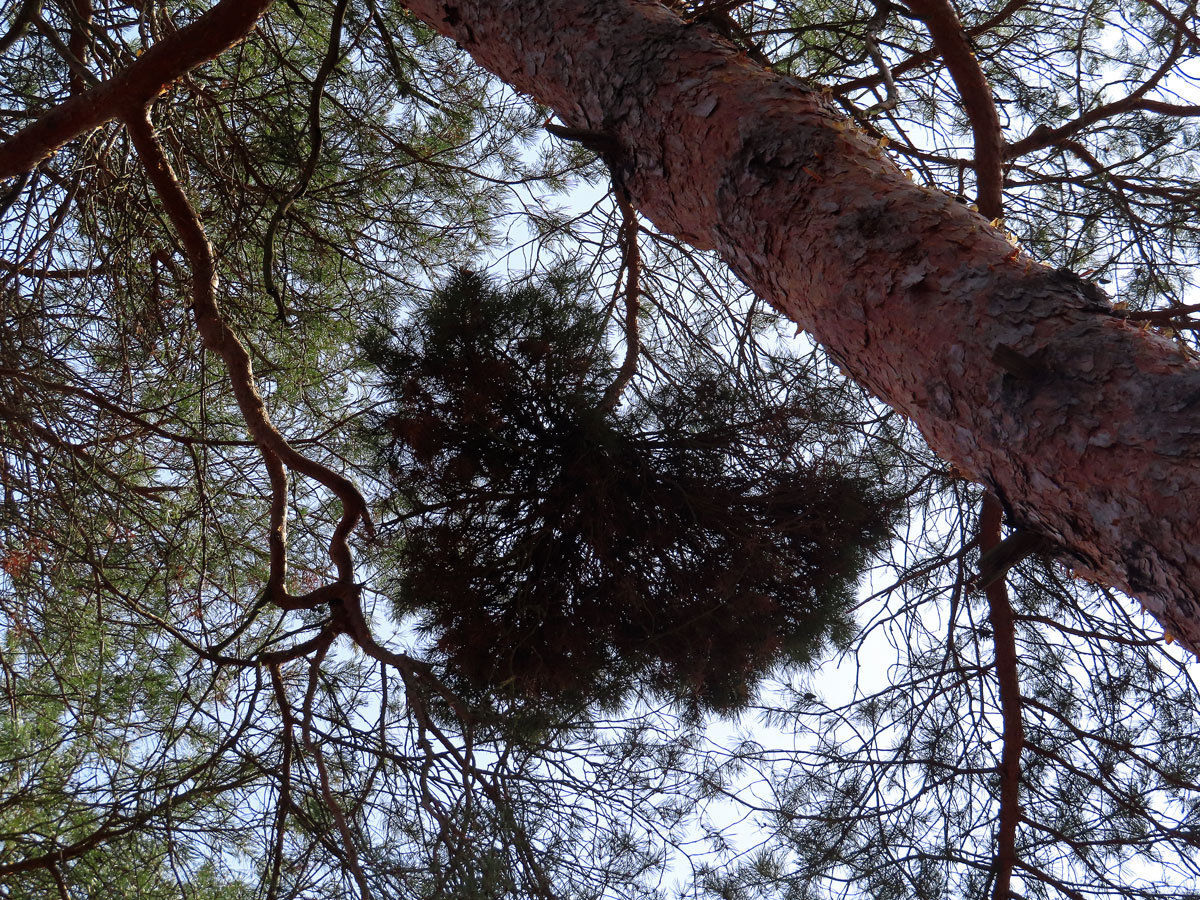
{"x": 1017, "y": 373}
{"x": 631, "y": 264}
{"x": 78, "y": 44}
{"x": 951, "y": 41}
{"x": 218, "y": 337}
{"x": 1020, "y": 374}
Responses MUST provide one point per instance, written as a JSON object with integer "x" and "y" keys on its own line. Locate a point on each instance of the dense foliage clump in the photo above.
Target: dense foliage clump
{"x": 559, "y": 551}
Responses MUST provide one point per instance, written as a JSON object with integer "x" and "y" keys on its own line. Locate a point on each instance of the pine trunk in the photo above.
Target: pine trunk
{"x": 1019, "y": 374}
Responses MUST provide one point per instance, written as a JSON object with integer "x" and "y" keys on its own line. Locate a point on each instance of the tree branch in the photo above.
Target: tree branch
{"x": 285, "y": 781}
{"x": 909, "y": 292}
{"x": 917, "y": 60}
{"x": 631, "y": 262}
{"x": 332, "y": 53}
{"x": 1004, "y": 640}
{"x": 952, "y": 43}
{"x": 27, "y": 12}
{"x": 219, "y": 338}
{"x": 123, "y": 95}
{"x": 1044, "y": 136}
{"x": 331, "y": 802}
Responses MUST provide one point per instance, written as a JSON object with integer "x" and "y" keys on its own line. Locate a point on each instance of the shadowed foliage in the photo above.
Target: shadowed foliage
{"x": 559, "y": 551}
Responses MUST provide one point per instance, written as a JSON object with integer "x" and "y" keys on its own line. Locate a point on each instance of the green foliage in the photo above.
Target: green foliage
{"x": 569, "y": 565}
{"x": 560, "y": 552}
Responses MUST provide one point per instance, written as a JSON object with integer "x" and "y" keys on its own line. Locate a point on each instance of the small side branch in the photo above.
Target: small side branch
{"x": 81, "y": 76}
{"x": 285, "y": 782}
{"x": 1005, "y": 642}
{"x": 1045, "y": 136}
{"x": 80, "y": 13}
{"x": 951, "y": 41}
{"x": 632, "y": 264}
{"x": 871, "y": 42}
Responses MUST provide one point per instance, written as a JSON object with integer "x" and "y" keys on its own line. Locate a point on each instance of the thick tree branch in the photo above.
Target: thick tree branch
{"x": 220, "y": 28}
{"x": 917, "y": 60}
{"x": 951, "y": 42}
{"x": 632, "y": 264}
{"x": 976, "y": 92}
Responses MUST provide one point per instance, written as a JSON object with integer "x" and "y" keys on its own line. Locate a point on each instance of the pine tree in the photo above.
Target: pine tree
{"x": 560, "y": 551}
{"x": 267, "y": 622}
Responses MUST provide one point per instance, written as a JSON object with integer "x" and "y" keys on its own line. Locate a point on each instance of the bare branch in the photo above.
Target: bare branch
{"x": 1044, "y": 136}
{"x": 29, "y": 10}
{"x": 331, "y": 803}
{"x": 631, "y": 263}
{"x": 952, "y": 43}
{"x": 1004, "y": 639}
{"x": 222, "y": 340}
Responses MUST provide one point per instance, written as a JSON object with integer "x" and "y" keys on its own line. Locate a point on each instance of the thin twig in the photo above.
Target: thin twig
{"x": 316, "y": 138}
{"x": 29, "y": 10}
{"x": 632, "y": 264}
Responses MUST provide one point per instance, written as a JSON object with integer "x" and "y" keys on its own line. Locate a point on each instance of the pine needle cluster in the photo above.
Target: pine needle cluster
{"x": 561, "y": 553}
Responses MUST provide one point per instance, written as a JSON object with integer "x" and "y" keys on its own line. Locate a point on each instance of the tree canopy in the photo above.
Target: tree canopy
{"x": 391, "y": 509}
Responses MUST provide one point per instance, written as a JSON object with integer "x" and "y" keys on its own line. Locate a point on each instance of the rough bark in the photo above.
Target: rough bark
{"x": 1021, "y": 375}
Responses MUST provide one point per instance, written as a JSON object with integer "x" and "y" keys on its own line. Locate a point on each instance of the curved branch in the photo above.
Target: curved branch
{"x": 219, "y": 338}
{"x": 1044, "y": 136}
{"x": 632, "y": 264}
{"x": 924, "y": 58}
{"x": 81, "y": 76}
{"x": 950, "y": 40}
{"x": 332, "y": 52}
{"x": 1108, "y": 172}
{"x": 220, "y": 28}
{"x": 28, "y": 11}
{"x": 871, "y": 42}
